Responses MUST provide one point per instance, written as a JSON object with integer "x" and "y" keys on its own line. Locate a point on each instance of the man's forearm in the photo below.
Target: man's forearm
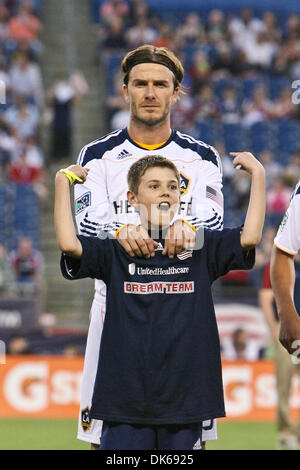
{"x": 283, "y": 281}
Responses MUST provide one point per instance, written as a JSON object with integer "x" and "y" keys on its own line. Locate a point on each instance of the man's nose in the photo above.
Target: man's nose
{"x": 150, "y": 93}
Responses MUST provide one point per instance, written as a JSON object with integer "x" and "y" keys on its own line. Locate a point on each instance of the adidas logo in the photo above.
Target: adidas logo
{"x": 124, "y": 154}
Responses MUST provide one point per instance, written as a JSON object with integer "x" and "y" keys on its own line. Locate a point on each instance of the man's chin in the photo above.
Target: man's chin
{"x": 151, "y": 119}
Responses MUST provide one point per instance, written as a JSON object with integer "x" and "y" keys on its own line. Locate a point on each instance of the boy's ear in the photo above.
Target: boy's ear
{"x": 132, "y": 199}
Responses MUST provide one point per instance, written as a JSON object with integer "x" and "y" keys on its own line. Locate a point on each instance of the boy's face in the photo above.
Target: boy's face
{"x": 150, "y": 93}
{"x": 158, "y": 197}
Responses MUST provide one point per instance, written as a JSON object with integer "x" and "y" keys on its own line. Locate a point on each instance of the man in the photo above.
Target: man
{"x": 152, "y": 83}
{"x": 286, "y": 246}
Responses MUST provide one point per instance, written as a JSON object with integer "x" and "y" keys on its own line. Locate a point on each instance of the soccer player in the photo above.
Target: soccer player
{"x": 159, "y": 370}
{"x": 152, "y": 83}
{"x": 286, "y": 246}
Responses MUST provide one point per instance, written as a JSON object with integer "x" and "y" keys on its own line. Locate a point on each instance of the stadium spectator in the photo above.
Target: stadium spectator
{"x": 4, "y": 31}
{"x": 27, "y": 264}
{"x": 165, "y": 36}
{"x": 141, "y": 33}
{"x": 272, "y": 167}
{"x": 278, "y": 198}
{"x": 34, "y": 156}
{"x": 271, "y": 27}
{"x": 261, "y": 51}
{"x": 61, "y": 98}
{"x": 192, "y": 31}
{"x": 241, "y": 347}
{"x": 199, "y": 71}
{"x": 244, "y": 28}
{"x": 25, "y": 26}
{"x": 139, "y": 9}
{"x": 18, "y": 344}
{"x": 292, "y": 169}
{"x": 23, "y": 118}
{"x": 283, "y": 106}
{"x": 110, "y": 9}
{"x": 205, "y": 105}
{"x": 7, "y": 281}
{"x": 230, "y": 109}
{"x": 258, "y": 108}
{"x": 26, "y": 80}
{"x": 114, "y": 36}
{"x": 216, "y": 27}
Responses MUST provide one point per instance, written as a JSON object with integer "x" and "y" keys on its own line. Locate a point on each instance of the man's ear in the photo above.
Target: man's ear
{"x": 132, "y": 198}
{"x": 175, "y": 95}
{"x": 125, "y": 93}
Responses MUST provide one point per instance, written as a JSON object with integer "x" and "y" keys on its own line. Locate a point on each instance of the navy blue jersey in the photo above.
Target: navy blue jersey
{"x": 159, "y": 359}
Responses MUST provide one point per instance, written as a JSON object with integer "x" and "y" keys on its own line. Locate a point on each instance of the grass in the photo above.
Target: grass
{"x": 47, "y": 434}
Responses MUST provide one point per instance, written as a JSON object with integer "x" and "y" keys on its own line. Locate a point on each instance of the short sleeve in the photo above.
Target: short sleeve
{"x": 225, "y": 253}
{"x": 94, "y": 262}
{"x": 288, "y": 235}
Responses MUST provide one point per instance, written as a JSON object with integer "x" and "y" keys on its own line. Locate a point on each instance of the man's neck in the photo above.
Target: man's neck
{"x": 149, "y": 135}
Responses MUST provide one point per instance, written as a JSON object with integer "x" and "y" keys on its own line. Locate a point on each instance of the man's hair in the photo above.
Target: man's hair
{"x": 139, "y": 168}
{"x": 155, "y": 55}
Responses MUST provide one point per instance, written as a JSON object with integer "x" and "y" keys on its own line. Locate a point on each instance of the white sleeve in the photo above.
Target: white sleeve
{"x": 91, "y": 201}
{"x": 288, "y": 236}
{"x": 93, "y": 211}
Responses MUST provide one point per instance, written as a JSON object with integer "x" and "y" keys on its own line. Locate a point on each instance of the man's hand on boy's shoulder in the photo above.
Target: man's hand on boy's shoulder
{"x": 136, "y": 241}
{"x": 181, "y": 236}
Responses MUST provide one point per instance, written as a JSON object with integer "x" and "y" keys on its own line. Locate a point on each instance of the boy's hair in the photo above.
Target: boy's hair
{"x": 139, "y": 168}
{"x": 156, "y": 55}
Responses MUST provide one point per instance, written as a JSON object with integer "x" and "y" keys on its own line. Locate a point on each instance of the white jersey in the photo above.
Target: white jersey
{"x": 101, "y": 202}
{"x": 101, "y": 205}
{"x": 288, "y": 236}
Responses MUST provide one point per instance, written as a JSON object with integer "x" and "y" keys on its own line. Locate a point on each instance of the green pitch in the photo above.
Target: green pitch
{"x": 39, "y": 434}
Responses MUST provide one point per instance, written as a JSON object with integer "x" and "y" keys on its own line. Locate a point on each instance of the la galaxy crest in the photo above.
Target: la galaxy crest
{"x": 185, "y": 182}
{"x": 86, "y": 421}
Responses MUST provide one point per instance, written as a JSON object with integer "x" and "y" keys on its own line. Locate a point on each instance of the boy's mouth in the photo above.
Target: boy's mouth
{"x": 163, "y": 206}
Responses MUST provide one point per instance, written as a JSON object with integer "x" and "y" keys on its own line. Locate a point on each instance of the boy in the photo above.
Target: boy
{"x": 159, "y": 372}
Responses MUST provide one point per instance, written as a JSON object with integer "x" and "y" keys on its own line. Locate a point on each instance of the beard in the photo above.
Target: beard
{"x": 151, "y": 119}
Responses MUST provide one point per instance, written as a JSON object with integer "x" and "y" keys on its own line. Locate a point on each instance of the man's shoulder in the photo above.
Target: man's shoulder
{"x": 297, "y": 190}
{"x": 202, "y": 149}
{"x": 97, "y": 148}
